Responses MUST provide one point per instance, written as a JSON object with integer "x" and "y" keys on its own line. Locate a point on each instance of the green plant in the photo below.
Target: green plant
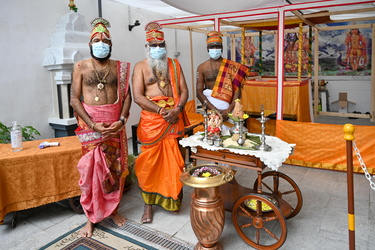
{"x": 28, "y": 133}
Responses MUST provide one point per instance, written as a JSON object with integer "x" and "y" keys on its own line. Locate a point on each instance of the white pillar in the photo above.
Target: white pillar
{"x": 69, "y": 44}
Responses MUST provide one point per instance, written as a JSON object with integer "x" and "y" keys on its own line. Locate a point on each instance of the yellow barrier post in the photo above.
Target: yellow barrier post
{"x": 349, "y": 137}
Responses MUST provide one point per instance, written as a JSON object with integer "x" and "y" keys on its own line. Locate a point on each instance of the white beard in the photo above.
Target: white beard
{"x": 160, "y": 65}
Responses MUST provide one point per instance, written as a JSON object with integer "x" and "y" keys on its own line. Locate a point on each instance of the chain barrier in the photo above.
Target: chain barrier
{"x": 363, "y": 166}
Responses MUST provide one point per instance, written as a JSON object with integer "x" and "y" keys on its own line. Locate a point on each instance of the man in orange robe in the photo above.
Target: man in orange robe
{"x": 159, "y": 88}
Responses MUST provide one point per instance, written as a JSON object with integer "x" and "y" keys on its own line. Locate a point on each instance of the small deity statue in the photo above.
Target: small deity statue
{"x": 237, "y": 112}
{"x": 238, "y": 117}
{"x": 214, "y": 123}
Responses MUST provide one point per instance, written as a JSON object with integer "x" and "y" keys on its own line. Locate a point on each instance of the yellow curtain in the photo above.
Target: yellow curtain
{"x": 263, "y": 92}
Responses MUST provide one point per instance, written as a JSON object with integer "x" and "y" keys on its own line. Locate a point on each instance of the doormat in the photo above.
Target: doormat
{"x": 103, "y": 238}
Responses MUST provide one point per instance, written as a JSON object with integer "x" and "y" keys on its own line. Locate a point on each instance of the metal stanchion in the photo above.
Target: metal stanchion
{"x": 349, "y": 137}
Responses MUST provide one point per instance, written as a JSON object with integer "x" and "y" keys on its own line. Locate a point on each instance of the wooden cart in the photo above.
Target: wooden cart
{"x": 261, "y": 228}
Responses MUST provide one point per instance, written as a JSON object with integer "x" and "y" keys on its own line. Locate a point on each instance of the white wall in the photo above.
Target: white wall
{"x": 358, "y": 89}
{"x": 27, "y": 26}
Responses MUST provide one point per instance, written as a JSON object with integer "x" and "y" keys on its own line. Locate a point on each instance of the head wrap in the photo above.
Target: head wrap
{"x": 100, "y": 26}
{"x": 153, "y": 33}
{"x": 214, "y": 37}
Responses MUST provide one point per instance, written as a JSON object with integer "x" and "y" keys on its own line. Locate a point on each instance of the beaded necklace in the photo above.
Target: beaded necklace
{"x": 103, "y": 80}
{"x": 162, "y": 82}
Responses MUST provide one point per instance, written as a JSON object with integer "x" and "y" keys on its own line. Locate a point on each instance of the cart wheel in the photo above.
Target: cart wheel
{"x": 284, "y": 187}
{"x": 258, "y": 228}
{"x": 75, "y": 204}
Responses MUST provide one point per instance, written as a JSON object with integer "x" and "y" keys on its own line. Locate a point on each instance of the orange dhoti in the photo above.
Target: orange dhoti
{"x": 160, "y": 164}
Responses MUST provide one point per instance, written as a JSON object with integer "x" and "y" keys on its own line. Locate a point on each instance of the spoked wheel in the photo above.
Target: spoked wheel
{"x": 283, "y": 186}
{"x": 259, "y": 222}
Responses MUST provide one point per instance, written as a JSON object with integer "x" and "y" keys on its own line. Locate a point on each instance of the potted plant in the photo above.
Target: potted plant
{"x": 28, "y": 133}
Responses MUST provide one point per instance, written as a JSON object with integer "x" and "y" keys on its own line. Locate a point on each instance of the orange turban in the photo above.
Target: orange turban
{"x": 153, "y": 32}
{"x": 100, "y": 26}
{"x": 214, "y": 37}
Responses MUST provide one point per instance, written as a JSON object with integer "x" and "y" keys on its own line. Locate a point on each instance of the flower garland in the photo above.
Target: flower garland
{"x": 206, "y": 172}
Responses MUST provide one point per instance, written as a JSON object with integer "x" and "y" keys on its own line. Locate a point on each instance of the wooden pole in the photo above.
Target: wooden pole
{"x": 192, "y": 70}
{"x": 349, "y": 137}
{"x": 280, "y": 64}
{"x": 260, "y": 53}
{"x": 243, "y": 46}
{"x": 300, "y": 39}
{"x": 316, "y": 71}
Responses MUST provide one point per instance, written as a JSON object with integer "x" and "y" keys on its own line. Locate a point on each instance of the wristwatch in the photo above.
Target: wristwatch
{"x": 122, "y": 119}
{"x": 181, "y": 107}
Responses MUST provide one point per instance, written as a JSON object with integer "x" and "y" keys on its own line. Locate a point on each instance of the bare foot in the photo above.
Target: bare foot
{"x": 118, "y": 219}
{"x": 87, "y": 230}
{"x": 147, "y": 214}
{"x": 175, "y": 212}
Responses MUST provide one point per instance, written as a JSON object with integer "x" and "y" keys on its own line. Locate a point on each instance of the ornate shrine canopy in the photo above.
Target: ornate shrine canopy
{"x": 273, "y": 16}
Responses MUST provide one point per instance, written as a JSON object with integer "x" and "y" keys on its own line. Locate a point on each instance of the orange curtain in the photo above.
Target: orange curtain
{"x": 324, "y": 146}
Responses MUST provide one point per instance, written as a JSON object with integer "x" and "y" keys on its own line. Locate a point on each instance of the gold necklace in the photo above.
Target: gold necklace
{"x": 160, "y": 76}
{"x": 102, "y": 81}
{"x": 161, "y": 83}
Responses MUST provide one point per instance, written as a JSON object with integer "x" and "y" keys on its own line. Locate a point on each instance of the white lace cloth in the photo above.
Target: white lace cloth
{"x": 272, "y": 159}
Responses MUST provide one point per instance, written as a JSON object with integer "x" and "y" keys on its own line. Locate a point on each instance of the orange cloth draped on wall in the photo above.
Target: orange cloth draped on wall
{"x": 159, "y": 166}
{"x": 323, "y": 145}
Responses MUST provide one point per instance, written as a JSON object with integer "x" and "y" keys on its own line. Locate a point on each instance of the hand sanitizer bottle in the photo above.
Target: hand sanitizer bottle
{"x": 16, "y": 137}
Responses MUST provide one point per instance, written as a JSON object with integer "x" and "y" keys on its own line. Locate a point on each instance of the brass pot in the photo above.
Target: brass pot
{"x": 207, "y": 215}
{"x": 226, "y": 175}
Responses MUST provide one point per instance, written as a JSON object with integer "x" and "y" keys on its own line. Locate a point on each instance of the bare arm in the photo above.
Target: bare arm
{"x": 138, "y": 85}
{"x": 184, "y": 91}
{"x": 171, "y": 115}
{"x": 200, "y": 86}
{"x": 76, "y": 93}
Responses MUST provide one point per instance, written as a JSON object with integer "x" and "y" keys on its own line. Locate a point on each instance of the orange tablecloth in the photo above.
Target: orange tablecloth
{"x": 263, "y": 91}
{"x": 35, "y": 177}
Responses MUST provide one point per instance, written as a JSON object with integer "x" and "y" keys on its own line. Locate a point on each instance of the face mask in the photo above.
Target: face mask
{"x": 100, "y": 49}
{"x": 214, "y": 53}
{"x": 157, "y": 52}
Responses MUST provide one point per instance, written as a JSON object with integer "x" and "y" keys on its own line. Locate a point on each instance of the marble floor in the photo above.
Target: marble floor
{"x": 321, "y": 223}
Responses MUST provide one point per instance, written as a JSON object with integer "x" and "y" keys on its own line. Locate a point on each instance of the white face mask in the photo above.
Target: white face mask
{"x": 214, "y": 53}
{"x": 157, "y": 52}
{"x": 100, "y": 49}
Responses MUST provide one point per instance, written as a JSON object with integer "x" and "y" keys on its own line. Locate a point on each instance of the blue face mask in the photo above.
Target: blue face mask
{"x": 157, "y": 52}
{"x": 100, "y": 49}
{"x": 214, "y": 53}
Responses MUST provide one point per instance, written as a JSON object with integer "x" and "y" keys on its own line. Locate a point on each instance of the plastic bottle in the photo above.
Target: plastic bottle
{"x": 16, "y": 137}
